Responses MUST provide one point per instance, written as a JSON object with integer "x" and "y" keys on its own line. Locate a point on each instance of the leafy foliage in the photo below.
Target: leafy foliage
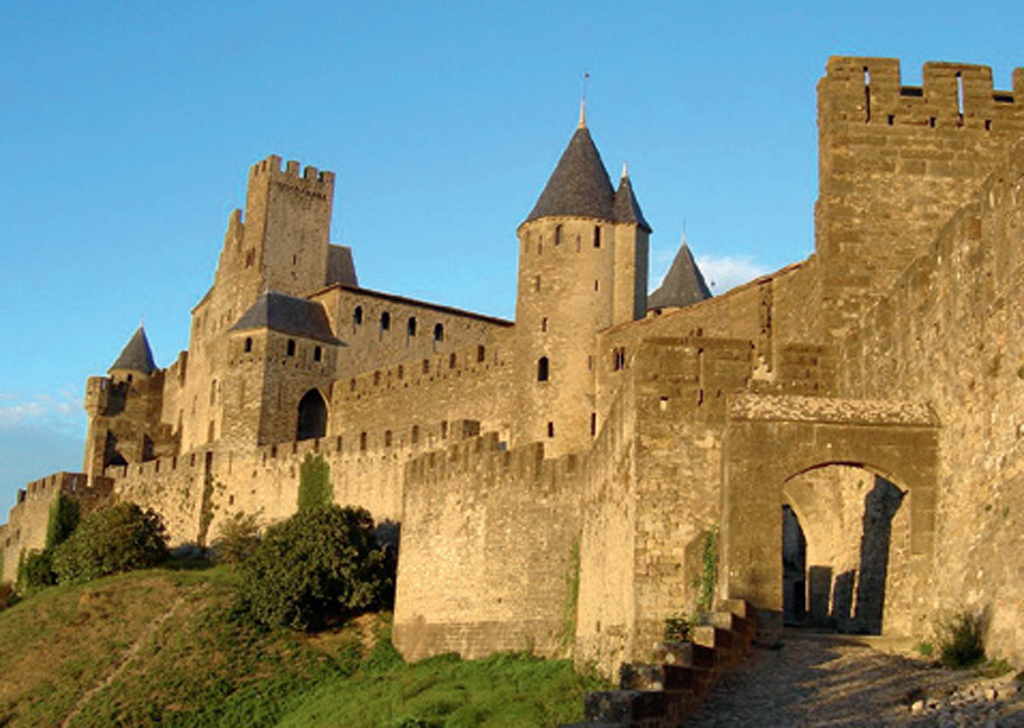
{"x": 319, "y": 564}
{"x": 706, "y": 580}
{"x": 65, "y": 514}
{"x": 35, "y": 571}
{"x": 315, "y": 489}
{"x": 239, "y": 538}
{"x": 122, "y": 537}
{"x": 960, "y": 642}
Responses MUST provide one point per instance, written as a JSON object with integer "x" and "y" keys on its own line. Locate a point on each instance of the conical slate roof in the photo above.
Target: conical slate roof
{"x": 136, "y": 355}
{"x": 579, "y": 186}
{"x": 683, "y": 285}
{"x": 626, "y": 207}
{"x": 288, "y": 315}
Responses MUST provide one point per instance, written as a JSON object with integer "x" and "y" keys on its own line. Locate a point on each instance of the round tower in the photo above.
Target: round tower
{"x": 582, "y": 268}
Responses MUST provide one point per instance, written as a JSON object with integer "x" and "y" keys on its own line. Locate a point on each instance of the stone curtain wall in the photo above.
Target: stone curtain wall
{"x": 895, "y": 163}
{"x": 949, "y": 333}
{"x": 487, "y": 551}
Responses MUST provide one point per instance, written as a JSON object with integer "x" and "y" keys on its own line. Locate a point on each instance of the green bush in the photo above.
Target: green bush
{"x": 35, "y": 571}
{"x": 320, "y": 564}
{"x": 122, "y": 537}
{"x": 960, "y": 642}
{"x": 239, "y": 537}
{"x": 315, "y": 489}
{"x": 65, "y": 515}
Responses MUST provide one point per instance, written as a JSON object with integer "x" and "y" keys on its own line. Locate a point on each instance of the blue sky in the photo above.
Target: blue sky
{"x": 127, "y": 129}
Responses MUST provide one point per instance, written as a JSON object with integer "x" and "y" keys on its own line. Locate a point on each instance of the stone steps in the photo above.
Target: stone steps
{"x": 667, "y": 690}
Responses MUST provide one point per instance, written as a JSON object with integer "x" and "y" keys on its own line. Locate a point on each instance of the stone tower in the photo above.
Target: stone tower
{"x": 582, "y": 268}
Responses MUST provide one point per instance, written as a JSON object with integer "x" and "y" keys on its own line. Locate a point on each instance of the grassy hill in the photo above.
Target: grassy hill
{"x": 164, "y": 646}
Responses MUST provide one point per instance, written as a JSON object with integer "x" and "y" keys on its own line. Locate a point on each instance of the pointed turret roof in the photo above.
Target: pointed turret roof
{"x": 136, "y": 355}
{"x": 579, "y": 186}
{"x": 626, "y": 208}
{"x": 683, "y": 284}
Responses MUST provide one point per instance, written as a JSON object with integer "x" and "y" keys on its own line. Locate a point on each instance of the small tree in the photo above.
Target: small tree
{"x": 320, "y": 564}
{"x": 239, "y": 538}
{"x": 65, "y": 514}
{"x": 122, "y": 537}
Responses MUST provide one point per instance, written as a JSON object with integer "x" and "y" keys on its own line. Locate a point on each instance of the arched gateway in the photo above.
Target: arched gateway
{"x": 771, "y": 439}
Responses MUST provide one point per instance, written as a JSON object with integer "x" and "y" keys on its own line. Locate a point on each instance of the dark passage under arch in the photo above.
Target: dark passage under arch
{"x": 312, "y": 416}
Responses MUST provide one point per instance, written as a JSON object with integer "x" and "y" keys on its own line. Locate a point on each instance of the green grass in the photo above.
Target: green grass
{"x": 202, "y": 666}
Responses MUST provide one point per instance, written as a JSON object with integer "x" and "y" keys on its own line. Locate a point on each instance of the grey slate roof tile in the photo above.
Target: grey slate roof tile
{"x": 288, "y": 315}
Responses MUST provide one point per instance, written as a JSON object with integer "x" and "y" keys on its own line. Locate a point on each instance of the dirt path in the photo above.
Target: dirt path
{"x": 126, "y": 659}
{"x": 823, "y": 680}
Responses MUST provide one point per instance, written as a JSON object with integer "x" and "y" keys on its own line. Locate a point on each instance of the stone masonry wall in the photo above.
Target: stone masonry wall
{"x": 895, "y": 163}
{"x": 948, "y": 333}
{"x": 488, "y": 537}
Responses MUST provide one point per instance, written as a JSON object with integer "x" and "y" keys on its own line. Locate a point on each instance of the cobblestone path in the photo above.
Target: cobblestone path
{"x": 828, "y": 680}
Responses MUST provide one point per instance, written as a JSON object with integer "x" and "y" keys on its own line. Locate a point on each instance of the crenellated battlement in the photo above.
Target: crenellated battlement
{"x": 524, "y": 467}
{"x": 310, "y": 178}
{"x": 952, "y": 95}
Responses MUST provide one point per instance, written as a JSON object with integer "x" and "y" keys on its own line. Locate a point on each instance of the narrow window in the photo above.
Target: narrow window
{"x": 544, "y": 324}
{"x": 453, "y": 361}
{"x": 362, "y": 441}
{"x": 410, "y": 327}
{"x": 352, "y": 384}
{"x": 291, "y": 347}
{"x": 551, "y": 429}
{"x": 387, "y": 438}
{"x": 438, "y": 332}
{"x": 444, "y": 429}
{"x": 597, "y": 236}
{"x": 426, "y": 366}
{"x": 931, "y": 121}
{"x": 536, "y": 284}
{"x": 385, "y": 321}
{"x": 960, "y": 98}
{"x": 248, "y": 344}
{"x": 597, "y": 285}
{"x": 558, "y": 235}
{"x": 376, "y": 378}
{"x": 401, "y": 372}
{"x": 867, "y": 95}
{"x": 213, "y": 392}
{"x": 481, "y": 353}
{"x": 357, "y": 316}
{"x": 250, "y": 258}
{"x": 542, "y": 369}
{"x": 988, "y": 125}
{"x": 414, "y": 435}
{"x": 318, "y": 353}
{"x": 593, "y": 424}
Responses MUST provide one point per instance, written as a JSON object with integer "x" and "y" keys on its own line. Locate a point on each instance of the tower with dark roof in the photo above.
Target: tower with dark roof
{"x": 582, "y": 268}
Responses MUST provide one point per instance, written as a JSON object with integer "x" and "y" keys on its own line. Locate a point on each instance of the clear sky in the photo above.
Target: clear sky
{"x": 127, "y": 129}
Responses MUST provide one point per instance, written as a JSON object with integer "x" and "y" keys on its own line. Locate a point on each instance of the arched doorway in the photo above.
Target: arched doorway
{"x": 312, "y": 416}
{"x": 843, "y": 537}
{"x": 771, "y": 440}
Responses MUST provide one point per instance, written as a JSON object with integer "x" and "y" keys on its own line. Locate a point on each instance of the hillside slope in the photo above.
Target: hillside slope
{"x": 163, "y": 647}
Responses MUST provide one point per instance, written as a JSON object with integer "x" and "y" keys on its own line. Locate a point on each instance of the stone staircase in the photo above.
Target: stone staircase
{"x": 663, "y": 693}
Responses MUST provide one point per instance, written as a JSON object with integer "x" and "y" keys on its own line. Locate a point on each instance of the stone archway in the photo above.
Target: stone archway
{"x": 770, "y": 439}
{"x": 312, "y": 421}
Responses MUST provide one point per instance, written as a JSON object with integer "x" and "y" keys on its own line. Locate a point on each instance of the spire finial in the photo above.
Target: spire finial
{"x": 625, "y": 170}
{"x": 583, "y": 101}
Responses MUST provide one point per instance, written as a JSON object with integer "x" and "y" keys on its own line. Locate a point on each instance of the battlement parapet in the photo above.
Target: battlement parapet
{"x": 525, "y": 466}
{"x": 168, "y": 463}
{"x": 310, "y": 179}
{"x": 952, "y": 95}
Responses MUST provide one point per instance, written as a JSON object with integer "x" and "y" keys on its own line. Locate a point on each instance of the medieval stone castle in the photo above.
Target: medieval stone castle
{"x": 556, "y": 478}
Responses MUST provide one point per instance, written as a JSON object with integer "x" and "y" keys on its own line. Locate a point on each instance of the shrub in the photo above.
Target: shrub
{"x": 959, "y": 641}
{"x": 65, "y": 515}
{"x": 239, "y": 537}
{"x": 122, "y": 537}
{"x": 35, "y": 571}
{"x": 315, "y": 489}
{"x": 320, "y": 564}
